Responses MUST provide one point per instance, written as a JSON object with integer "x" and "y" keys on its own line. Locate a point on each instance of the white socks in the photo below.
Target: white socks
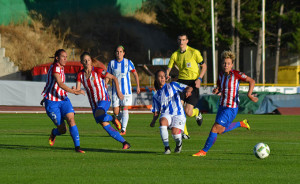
{"x": 178, "y": 139}
{"x": 125, "y": 118}
{"x": 164, "y": 135}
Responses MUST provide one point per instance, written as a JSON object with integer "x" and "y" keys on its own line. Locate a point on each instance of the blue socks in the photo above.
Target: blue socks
{"x": 232, "y": 126}
{"x": 75, "y": 135}
{"x": 113, "y": 133}
{"x": 213, "y": 136}
{"x": 210, "y": 141}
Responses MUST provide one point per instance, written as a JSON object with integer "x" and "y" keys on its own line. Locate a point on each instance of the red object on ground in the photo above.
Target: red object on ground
{"x": 289, "y": 110}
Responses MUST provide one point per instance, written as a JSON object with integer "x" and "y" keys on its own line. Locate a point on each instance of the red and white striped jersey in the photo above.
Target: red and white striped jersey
{"x": 94, "y": 85}
{"x": 229, "y": 88}
{"x": 51, "y": 90}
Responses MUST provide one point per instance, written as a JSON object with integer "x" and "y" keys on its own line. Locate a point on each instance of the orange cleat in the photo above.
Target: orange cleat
{"x": 117, "y": 123}
{"x": 201, "y": 153}
{"x": 51, "y": 139}
{"x": 123, "y": 132}
{"x": 126, "y": 145}
{"x": 78, "y": 150}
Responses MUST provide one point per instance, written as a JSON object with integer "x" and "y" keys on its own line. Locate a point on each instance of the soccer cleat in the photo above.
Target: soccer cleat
{"x": 52, "y": 138}
{"x": 246, "y": 124}
{"x": 184, "y": 136}
{"x": 167, "y": 150}
{"x": 178, "y": 149}
{"x": 78, "y": 150}
{"x": 123, "y": 132}
{"x": 117, "y": 123}
{"x": 199, "y": 119}
{"x": 201, "y": 153}
{"x": 126, "y": 145}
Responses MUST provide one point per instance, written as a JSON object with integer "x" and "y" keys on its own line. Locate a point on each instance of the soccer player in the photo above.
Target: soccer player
{"x": 187, "y": 60}
{"x": 166, "y": 101}
{"x": 93, "y": 80}
{"x": 121, "y": 68}
{"x": 228, "y": 86}
{"x": 57, "y": 104}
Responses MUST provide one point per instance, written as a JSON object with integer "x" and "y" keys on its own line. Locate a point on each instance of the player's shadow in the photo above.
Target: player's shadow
{"x": 31, "y": 147}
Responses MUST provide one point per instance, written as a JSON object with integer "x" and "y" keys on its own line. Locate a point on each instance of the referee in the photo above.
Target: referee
{"x": 187, "y": 59}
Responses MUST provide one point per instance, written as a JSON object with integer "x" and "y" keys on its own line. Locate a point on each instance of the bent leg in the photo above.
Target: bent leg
{"x": 112, "y": 132}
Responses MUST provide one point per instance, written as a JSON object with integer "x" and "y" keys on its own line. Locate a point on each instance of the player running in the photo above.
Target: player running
{"x": 121, "y": 68}
{"x": 57, "y": 104}
{"x": 228, "y": 86}
{"x": 92, "y": 79}
{"x": 166, "y": 101}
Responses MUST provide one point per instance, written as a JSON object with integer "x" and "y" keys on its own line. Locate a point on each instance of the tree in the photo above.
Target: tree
{"x": 238, "y": 16}
{"x": 278, "y": 44}
{"x": 232, "y": 47}
{"x": 189, "y": 16}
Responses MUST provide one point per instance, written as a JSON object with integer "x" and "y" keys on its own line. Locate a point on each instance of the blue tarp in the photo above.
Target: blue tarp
{"x": 267, "y": 103}
{"x": 272, "y": 102}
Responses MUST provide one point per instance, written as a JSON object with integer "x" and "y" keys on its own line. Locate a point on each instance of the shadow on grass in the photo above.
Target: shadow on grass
{"x": 30, "y": 147}
{"x": 81, "y": 135}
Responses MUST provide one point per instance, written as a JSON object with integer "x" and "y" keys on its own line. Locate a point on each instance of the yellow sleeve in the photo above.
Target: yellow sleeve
{"x": 199, "y": 58}
{"x": 172, "y": 60}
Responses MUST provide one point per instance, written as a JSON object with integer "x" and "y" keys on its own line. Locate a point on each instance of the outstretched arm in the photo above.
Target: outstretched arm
{"x": 119, "y": 93}
{"x": 65, "y": 87}
{"x": 251, "y": 87}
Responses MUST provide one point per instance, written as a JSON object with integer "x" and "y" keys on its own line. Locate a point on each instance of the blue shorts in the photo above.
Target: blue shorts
{"x": 226, "y": 115}
{"x": 103, "y": 105}
{"x": 57, "y": 110}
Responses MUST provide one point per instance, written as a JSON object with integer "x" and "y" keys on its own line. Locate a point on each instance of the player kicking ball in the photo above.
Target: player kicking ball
{"x": 227, "y": 87}
{"x": 93, "y": 81}
{"x": 166, "y": 101}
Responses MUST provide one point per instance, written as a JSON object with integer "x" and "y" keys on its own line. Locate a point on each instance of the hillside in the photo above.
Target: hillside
{"x": 32, "y": 44}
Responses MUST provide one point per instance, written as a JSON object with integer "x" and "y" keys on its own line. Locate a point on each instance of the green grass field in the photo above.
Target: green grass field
{"x": 26, "y": 157}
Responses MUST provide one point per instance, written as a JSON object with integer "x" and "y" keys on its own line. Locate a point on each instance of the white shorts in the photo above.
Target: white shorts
{"x": 116, "y": 102}
{"x": 176, "y": 121}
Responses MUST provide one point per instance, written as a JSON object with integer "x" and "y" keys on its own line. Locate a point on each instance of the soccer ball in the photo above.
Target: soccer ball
{"x": 261, "y": 150}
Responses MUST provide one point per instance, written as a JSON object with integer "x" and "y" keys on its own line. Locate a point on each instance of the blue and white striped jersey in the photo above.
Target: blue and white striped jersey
{"x": 121, "y": 70}
{"x": 167, "y": 99}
